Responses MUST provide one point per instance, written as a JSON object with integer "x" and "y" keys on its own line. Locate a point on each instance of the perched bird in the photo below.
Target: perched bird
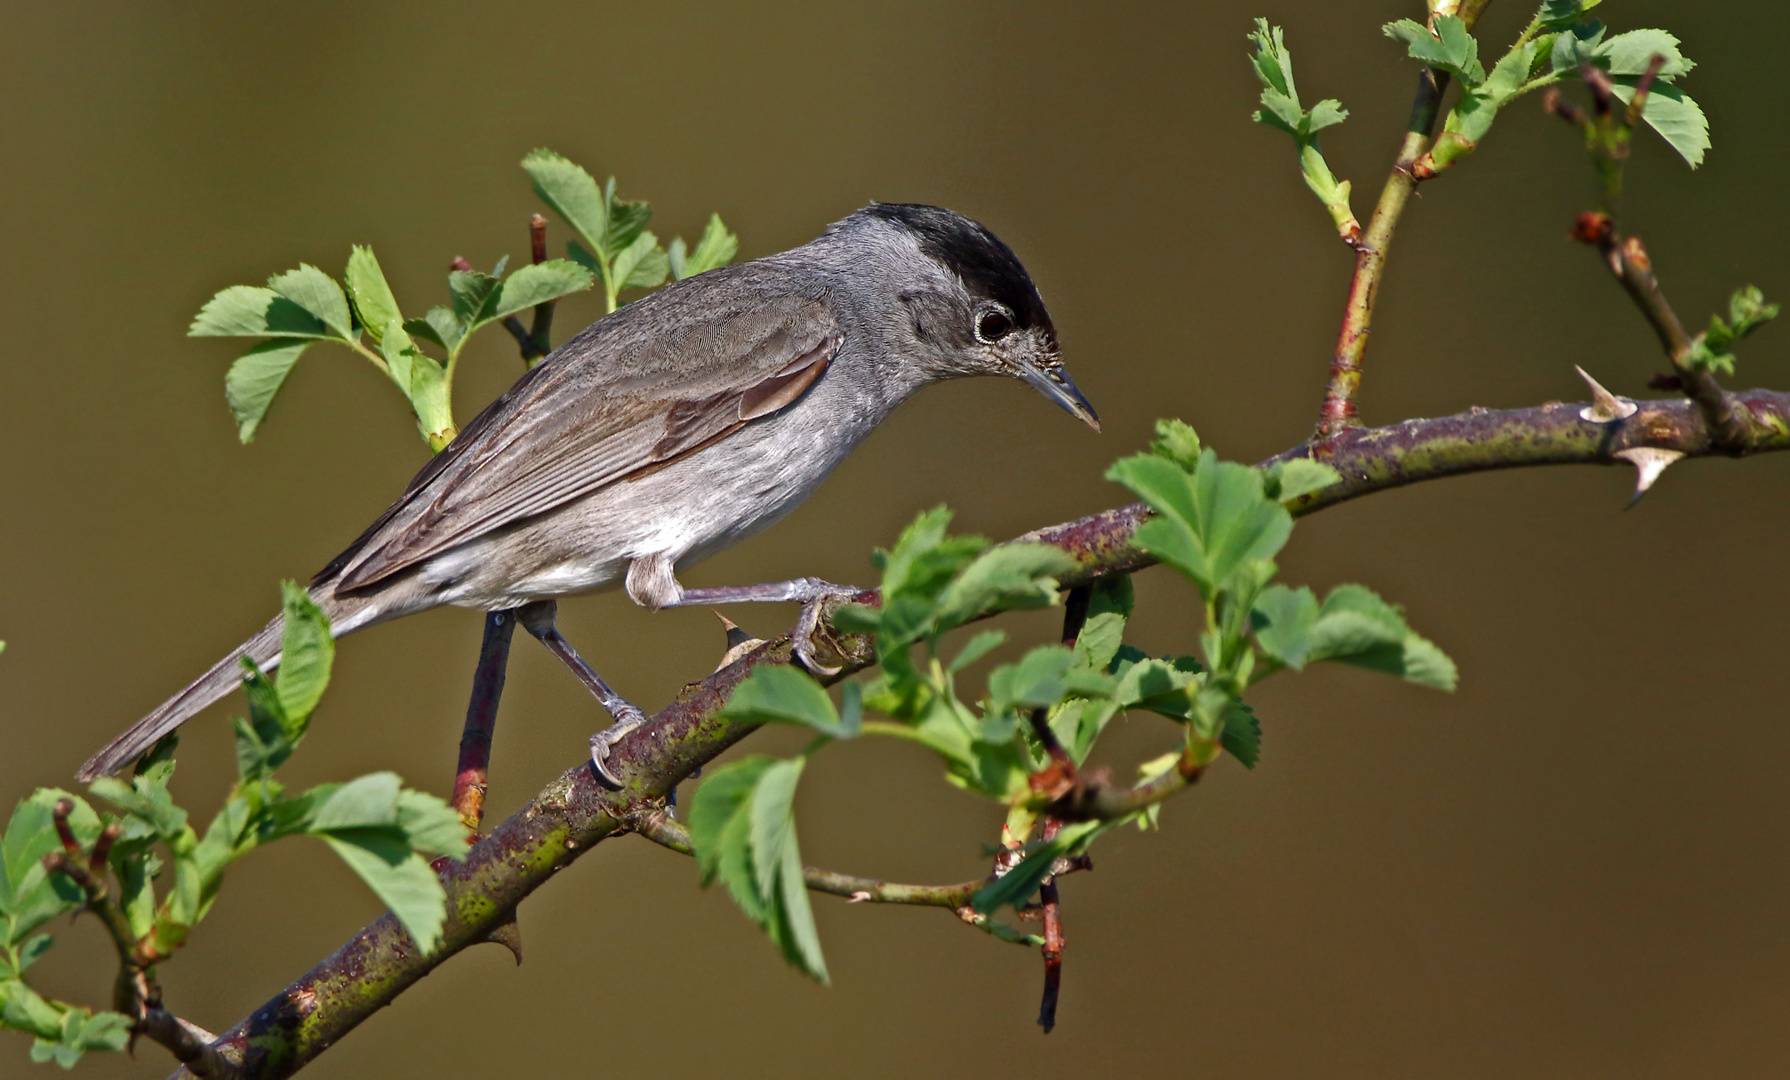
{"x": 674, "y": 428}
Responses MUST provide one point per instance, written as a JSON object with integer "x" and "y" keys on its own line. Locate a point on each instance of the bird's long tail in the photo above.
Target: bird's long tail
{"x": 223, "y": 677}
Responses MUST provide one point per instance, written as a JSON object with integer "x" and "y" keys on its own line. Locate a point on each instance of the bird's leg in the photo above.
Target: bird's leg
{"x": 652, "y": 583}
{"x": 481, "y": 719}
{"x": 537, "y": 619}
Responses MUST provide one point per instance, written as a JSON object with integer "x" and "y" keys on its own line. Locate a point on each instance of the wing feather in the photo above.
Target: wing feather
{"x": 633, "y": 392}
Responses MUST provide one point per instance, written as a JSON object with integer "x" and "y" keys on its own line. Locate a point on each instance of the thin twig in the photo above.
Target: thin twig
{"x": 661, "y": 829}
{"x": 471, "y": 776}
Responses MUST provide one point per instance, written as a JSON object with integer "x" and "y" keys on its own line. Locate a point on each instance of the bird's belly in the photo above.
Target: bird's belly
{"x": 687, "y": 511}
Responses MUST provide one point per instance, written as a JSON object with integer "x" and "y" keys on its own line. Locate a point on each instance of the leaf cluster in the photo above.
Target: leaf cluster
{"x": 1280, "y": 109}
{"x": 1219, "y": 523}
{"x": 382, "y": 830}
{"x": 1558, "y": 43}
{"x": 1713, "y": 349}
{"x": 618, "y": 250}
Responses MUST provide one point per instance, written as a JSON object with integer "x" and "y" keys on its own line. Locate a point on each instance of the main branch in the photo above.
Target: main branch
{"x": 574, "y": 813}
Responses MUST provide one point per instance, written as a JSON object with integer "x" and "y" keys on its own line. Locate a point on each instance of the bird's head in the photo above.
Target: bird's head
{"x": 976, "y": 311}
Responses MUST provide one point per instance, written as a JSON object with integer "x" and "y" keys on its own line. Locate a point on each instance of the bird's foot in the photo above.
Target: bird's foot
{"x": 627, "y": 718}
{"x": 814, "y": 594}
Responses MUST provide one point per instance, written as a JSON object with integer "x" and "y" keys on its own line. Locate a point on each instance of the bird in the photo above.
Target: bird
{"x": 671, "y": 429}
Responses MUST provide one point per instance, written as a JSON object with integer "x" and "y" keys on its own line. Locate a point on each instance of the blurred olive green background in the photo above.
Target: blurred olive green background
{"x": 1576, "y": 866}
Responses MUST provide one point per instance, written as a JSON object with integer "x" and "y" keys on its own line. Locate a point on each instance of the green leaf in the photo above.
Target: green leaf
{"x": 24, "y": 1010}
{"x": 783, "y": 695}
{"x": 1670, "y": 112}
{"x": 318, "y": 293}
{"x": 30, "y": 835}
{"x": 716, "y": 248}
{"x": 431, "y": 826}
{"x": 366, "y": 802}
{"x": 307, "y": 652}
{"x": 1356, "y": 627}
{"x": 640, "y": 265}
{"x": 1451, "y": 48}
{"x": 1037, "y": 681}
{"x": 976, "y": 648}
{"x": 146, "y": 800}
{"x": 473, "y": 294}
{"x": 1560, "y": 14}
{"x": 424, "y": 383}
{"x": 1011, "y": 577}
{"x": 1295, "y": 477}
{"x": 1242, "y": 738}
{"x": 1632, "y": 52}
{"x": 743, "y": 831}
{"x": 398, "y": 876}
{"x": 571, "y": 192}
{"x": 1283, "y": 621}
{"x": 627, "y": 221}
{"x": 252, "y": 311}
{"x": 367, "y": 290}
{"x": 32, "y": 951}
{"x": 1209, "y": 524}
{"x": 537, "y": 284}
{"x": 723, "y": 794}
{"x": 256, "y": 377}
{"x": 439, "y": 326}
{"x": 1018, "y": 885}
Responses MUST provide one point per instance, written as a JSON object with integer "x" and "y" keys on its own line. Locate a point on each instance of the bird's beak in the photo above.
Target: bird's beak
{"x": 1053, "y": 382}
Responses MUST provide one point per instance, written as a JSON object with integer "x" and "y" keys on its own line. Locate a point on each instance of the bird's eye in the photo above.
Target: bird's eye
{"x": 993, "y": 325}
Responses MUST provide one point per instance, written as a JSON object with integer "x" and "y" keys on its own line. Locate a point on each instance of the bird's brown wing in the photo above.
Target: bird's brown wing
{"x": 657, "y": 380}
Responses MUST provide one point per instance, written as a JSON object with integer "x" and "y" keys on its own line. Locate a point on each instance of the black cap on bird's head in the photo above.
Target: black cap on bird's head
{"x": 1009, "y": 323}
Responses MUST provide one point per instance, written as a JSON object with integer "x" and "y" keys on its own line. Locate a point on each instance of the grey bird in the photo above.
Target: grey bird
{"x": 674, "y": 428}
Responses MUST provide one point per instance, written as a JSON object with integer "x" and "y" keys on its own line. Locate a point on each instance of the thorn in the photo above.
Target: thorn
{"x": 1649, "y": 462}
{"x": 1605, "y": 407}
{"x": 739, "y": 642}
{"x": 858, "y": 897}
{"x": 508, "y": 934}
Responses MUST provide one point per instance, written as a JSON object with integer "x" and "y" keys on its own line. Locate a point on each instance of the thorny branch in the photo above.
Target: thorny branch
{"x": 575, "y": 812}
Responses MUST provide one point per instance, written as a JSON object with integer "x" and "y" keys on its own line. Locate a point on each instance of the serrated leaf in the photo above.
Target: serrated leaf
{"x": 773, "y": 820}
{"x": 716, "y": 248}
{"x": 398, "y": 876}
{"x": 640, "y": 265}
{"x": 318, "y": 293}
{"x": 722, "y": 795}
{"x": 1630, "y": 54}
{"x": 253, "y": 311}
{"x": 1670, "y": 112}
{"x": 1283, "y": 621}
{"x": 1036, "y": 681}
{"x": 1209, "y": 524}
{"x": 1559, "y": 14}
{"x": 571, "y": 192}
{"x": 430, "y": 825}
{"x": 1011, "y": 577}
{"x": 537, "y": 284}
{"x": 424, "y": 383}
{"x": 369, "y": 293}
{"x": 25, "y": 1010}
{"x": 307, "y": 652}
{"x": 256, "y": 377}
{"x": 1242, "y": 738}
{"x": 146, "y": 800}
{"x": 1288, "y": 480}
{"x": 439, "y": 326}
{"x": 30, "y": 835}
{"x": 473, "y": 293}
{"x": 1576, "y": 46}
{"x": 366, "y": 802}
{"x": 1450, "y": 48}
{"x": 783, "y": 695}
{"x": 1356, "y": 627}
{"x": 627, "y": 221}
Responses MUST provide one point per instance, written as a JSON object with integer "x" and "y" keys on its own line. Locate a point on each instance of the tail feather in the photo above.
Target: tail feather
{"x": 222, "y": 677}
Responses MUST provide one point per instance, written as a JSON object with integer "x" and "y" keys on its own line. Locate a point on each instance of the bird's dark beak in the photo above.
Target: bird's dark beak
{"x": 1053, "y": 381}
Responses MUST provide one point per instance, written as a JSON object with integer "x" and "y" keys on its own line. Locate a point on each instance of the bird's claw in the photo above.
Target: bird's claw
{"x": 802, "y": 637}
{"x": 627, "y": 718}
